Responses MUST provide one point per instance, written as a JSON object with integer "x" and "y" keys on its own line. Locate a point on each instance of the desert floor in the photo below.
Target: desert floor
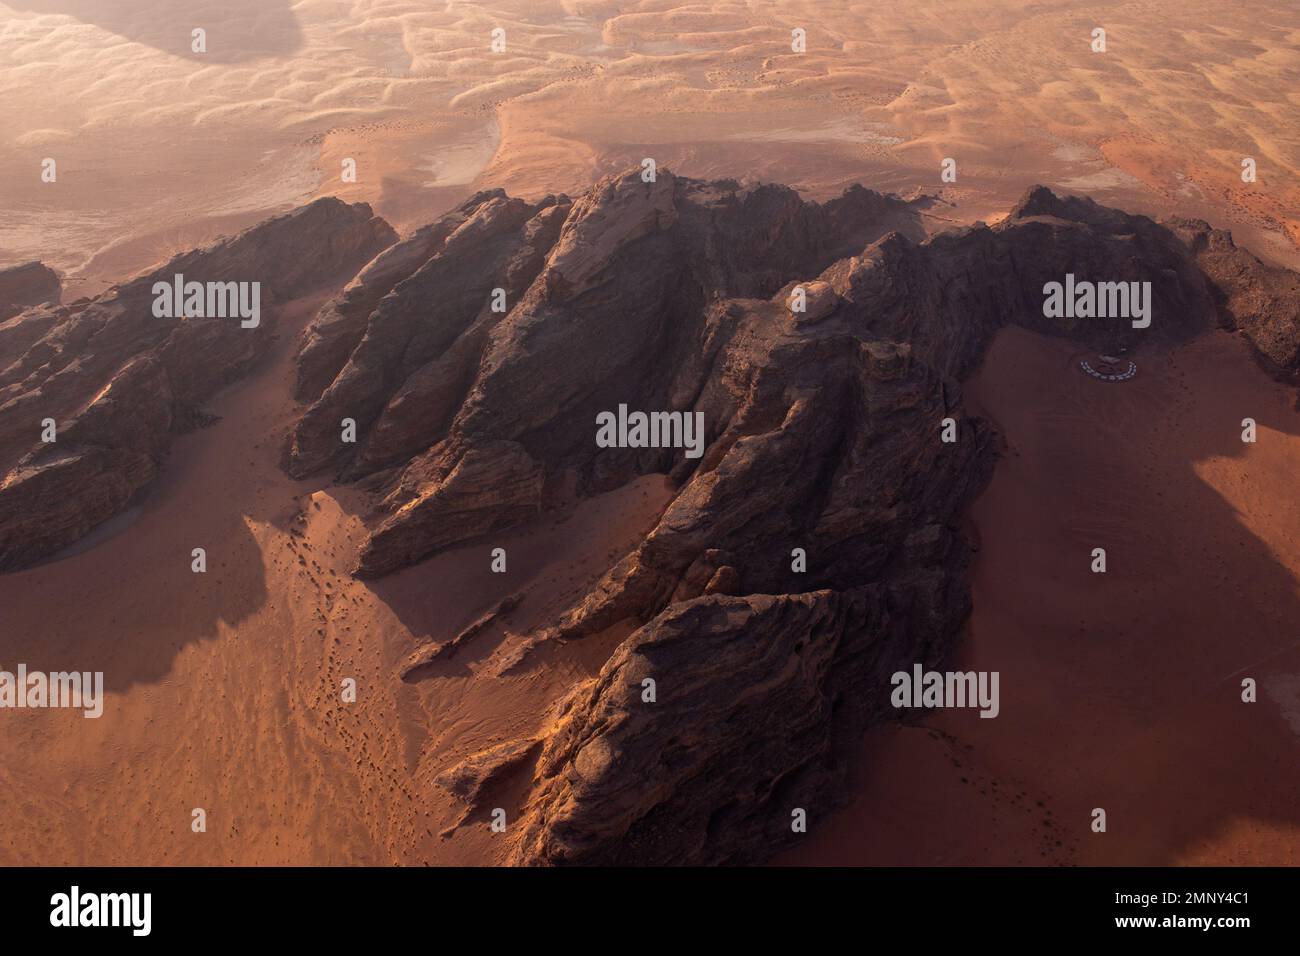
{"x": 1119, "y": 691}
{"x": 224, "y": 689}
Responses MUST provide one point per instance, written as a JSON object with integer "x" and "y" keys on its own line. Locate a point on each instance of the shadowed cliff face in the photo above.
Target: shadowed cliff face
{"x": 810, "y": 550}
{"x": 21, "y": 287}
{"x": 487, "y": 343}
{"x": 118, "y": 381}
{"x": 823, "y": 445}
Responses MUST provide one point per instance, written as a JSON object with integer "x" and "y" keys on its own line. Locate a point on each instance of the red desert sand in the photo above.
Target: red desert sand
{"x": 1120, "y": 690}
{"x": 217, "y": 689}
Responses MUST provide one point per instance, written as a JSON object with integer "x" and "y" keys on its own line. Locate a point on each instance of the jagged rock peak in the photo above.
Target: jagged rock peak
{"x": 23, "y": 286}
{"x": 119, "y": 374}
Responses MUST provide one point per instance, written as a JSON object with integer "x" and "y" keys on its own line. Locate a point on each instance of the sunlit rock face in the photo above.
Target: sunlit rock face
{"x": 93, "y": 391}
{"x": 812, "y": 546}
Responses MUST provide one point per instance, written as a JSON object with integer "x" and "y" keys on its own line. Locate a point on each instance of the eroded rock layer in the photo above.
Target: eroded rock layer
{"x": 26, "y": 285}
{"x": 118, "y": 381}
{"x": 813, "y": 548}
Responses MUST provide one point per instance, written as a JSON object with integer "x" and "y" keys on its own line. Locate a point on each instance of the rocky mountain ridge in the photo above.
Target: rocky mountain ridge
{"x": 815, "y": 547}
{"x": 92, "y": 391}
{"x": 23, "y": 286}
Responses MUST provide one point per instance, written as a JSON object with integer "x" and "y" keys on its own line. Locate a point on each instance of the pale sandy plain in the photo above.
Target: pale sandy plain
{"x": 221, "y": 687}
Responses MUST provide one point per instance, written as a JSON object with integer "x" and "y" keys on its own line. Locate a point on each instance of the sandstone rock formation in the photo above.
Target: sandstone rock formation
{"x": 26, "y": 285}
{"x": 1260, "y": 300}
{"x": 814, "y": 548}
{"x": 448, "y": 390}
{"x": 810, "y": 551}
{"x": 426, "y": 654}
{"x": 472, "y": 779}
{"x": 118, "y": 382}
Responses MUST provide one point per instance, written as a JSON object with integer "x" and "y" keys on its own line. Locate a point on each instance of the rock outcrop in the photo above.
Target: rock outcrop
{"x": 603, "y": 291}
{"x": 756, "y": 700}
{"x": 110, "y": 381}
{"x": 483, "y": 347}
{"x": 1259, "y": 300}
{"x": 26, "y": 285}
{"x": 812, "y": 549}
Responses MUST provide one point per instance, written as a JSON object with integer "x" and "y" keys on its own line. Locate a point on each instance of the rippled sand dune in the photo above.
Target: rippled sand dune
{"x": 159, "y": 148}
